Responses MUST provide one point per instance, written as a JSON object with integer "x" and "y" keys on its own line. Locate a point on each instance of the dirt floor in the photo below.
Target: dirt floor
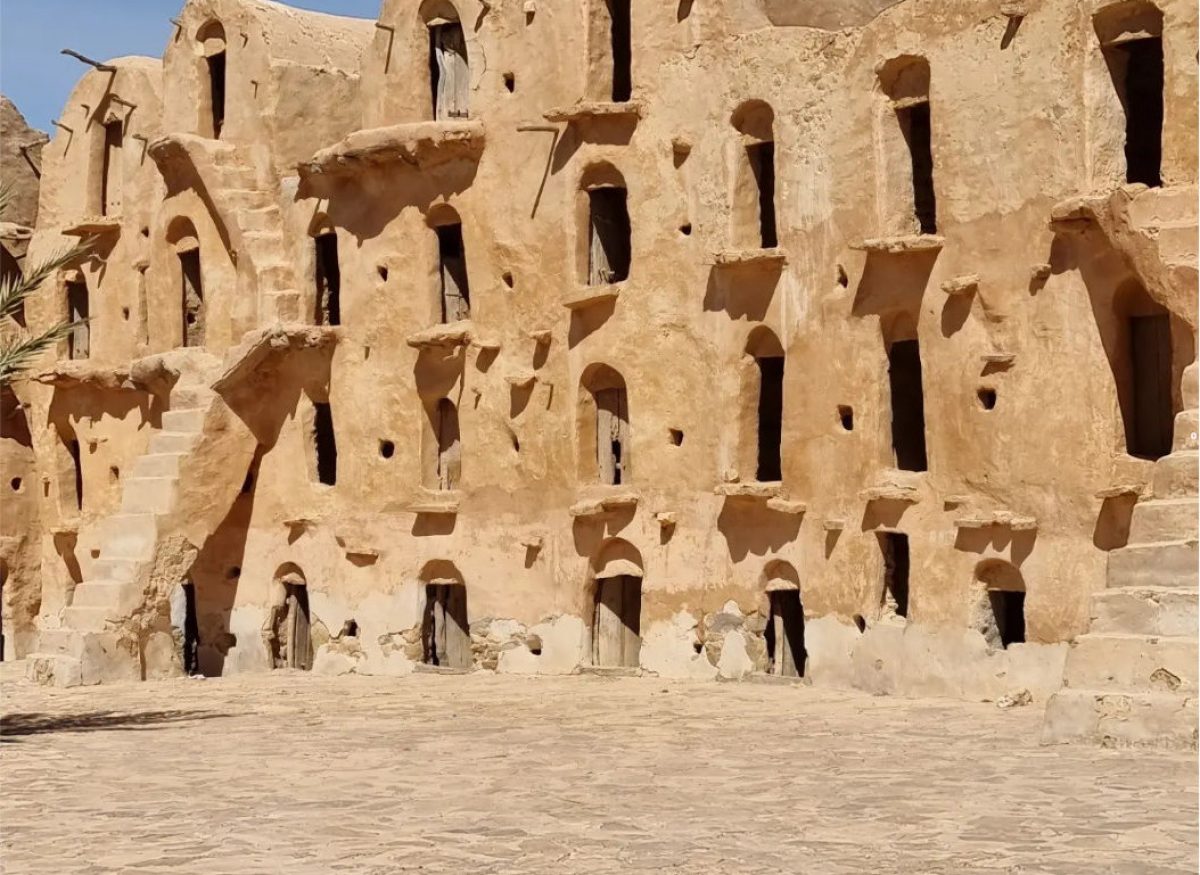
{"x": 291, "y": 773}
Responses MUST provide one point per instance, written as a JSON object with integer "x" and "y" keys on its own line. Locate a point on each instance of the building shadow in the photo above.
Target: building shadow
{"x": 14, "y": 726}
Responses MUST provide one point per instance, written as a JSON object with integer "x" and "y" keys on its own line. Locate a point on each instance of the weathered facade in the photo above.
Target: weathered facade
{"x": 853, "y": 341}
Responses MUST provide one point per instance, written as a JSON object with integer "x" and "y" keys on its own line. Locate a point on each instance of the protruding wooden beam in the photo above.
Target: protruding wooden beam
{"x": 107, "y": 68}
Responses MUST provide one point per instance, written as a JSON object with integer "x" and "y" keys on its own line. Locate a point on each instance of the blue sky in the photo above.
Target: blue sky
{"x": 38, "y": 79}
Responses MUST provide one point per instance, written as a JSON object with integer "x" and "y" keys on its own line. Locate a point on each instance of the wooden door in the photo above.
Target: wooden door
{"x": 449, "y": 446}
{"x": 612, "y": 436}
{"x": 787, "y": 627}
{"x": 616, "y": 630}
{"x": 447, "y": 630}
{"x": 299, "y": 631}
{"x": 452, "y": 71}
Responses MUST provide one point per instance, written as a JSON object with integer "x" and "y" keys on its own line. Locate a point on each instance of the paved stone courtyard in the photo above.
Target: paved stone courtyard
{"x": 481, "y": 773}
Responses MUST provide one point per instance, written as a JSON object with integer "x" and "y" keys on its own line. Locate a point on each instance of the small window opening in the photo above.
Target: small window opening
{"x": 842, "y": 279}
{"x": 234, "y": 572}
{"x": 686, "y": 229}
{"x": 762, "y": 165}
{"x": 110, "y": 175}
{"x": 908, "y": 405}
{"x": 612, "y": 436}
{"x": 125, "y": 313}
{"x": 860, "y": 622}
{"x": 452, "y": 267}
{"x": 449, "y": 445}
{"x": 770, "y": 419}
{"x": 387, "y": 449}
{"x": 507, "y": 277}
{"x": 324, "y": 443}
{"x": 683, "y": 10}
{"x": 894, "y": 546}
{"x": 193, "y": 298}
{"x": 383, "y": 272}
{"x": 216, "y": 90}
{"x": 617, "y": 622}
{"x": 846, "y": 417}
{"x": 1137, "y": 68}
{"x": 676, "y": 436}
{"x": 15, "y": 484}
{"x": 328, "y": 280}
{"x": 349, "y": 629}
{"x": 987, "y": 398}
{"x": 77, "y": 466}
{"x": 622, "y": 50}
{"x": 915, "y": 124}
{"x": 510, "y": 82}
{"x": 446, "y": 636}
{"x": 114, "y": 474}
{"x": 78, "y": 305}
{"x": 450, "y": 75}
{"x": 1008, "y": 612}
{"x": 609, "y": 234}
{"x": 784, "y": 634}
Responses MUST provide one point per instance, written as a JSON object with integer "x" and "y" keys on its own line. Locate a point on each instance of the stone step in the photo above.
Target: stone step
{"x": 172, "y": 442}
{"x": 185, "y": 420}
{"x": 89, "y": 618}
{"x": 60, "y": 641}
{"x": 148, "y": 494}
{"x": 115, "y": 569}
{"x": 1164, "y": 564}
{"x": 130, "y": 536}
{"x": 1146, "y": 610}
{"x": 187, "y": 397}
{"x": 54, "y": 669}
{"x": 1132, "y": 663}
{"x": 263, "y": 241}
{"x": 1159, "y": 205}
{"x": 1187, "y": 430}
{"x": 246, "y": 199}
{"x": 118, "y": 599}
{"x": 158, "y": 465}
{"x": 1115, "y": 719}
{"x": 1164, "y": 519}
{"x": 1175, "y": 475}
{"x": 260, "y": 219}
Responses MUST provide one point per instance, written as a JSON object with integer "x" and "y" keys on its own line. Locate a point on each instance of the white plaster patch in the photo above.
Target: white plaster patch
{"x": 562, "y": 640}
{"x": 735, "y": 662}
{"x": 668, "y": 650}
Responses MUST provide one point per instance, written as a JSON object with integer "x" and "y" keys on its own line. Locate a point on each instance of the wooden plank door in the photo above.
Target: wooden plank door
{"x": 608, "y": 632}
{"x": 631, "y": 621}
{"x": 1153, "y": 411}
{"x": 612, "y": 436}
{"x": 299, "y": 634}
{"x": 455, "y": 628}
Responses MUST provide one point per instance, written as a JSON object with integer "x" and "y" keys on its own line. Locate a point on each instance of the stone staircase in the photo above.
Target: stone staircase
{"x": 102, "y": 638}
{"x": 1132, "y": 679}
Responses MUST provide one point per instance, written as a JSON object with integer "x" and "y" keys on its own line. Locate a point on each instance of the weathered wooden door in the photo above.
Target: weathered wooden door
{"x": 612, "y": 436}
{"x": 111, "y": 178}
{"x": 446, "y": 628}
{"x": 787, "y": 633}
{"x": 616, "y": 633}
{"x": 453, "y": 77}
{"x": 609, "y": 243}
{"x": 449, "y": 446}
{"x": 193, "y": 298}
{"x": 456, "y": 294}
{"x": 79, "y": 340}
{"x": 1153, "y": 412}
{"x": 299, "y": 630}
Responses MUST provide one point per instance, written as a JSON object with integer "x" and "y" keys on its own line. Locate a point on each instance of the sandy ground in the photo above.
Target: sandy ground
{"x": 290, "y": 773}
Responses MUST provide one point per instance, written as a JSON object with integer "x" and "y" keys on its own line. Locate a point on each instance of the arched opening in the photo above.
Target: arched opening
{"x": 211, "y": 38}
{"x": 327, "y": 276}
{"x": 79, "y": 341}
{"x": 454, "y": 290}
{"x": 449, "y": 68}
{"x": 610, "y": 50}
{"x": 893, "y": 598}
{"x": 69, "y": 471}
{"x": 445, "y": 628}
{"x": 1131, "y": 39}
{"x": 763, "y": 393}
{"x": 907, "y": 393}
{"x": 604, "y": 426}
{"x": 754, "y": 185}
{"x": 442, "y": 461}
{"x": 784, "y": 633}
{"x": 908, "y": 158}
{"x": 110, "y": 168}
{"x": 617, "y": 606}
{"x": 609, "y": 233}
{"x": 290, "y": 630}
{"x": 1001, "y": 607}
{"x": 1143, "y": 369}
{"x": 181, "y": 234}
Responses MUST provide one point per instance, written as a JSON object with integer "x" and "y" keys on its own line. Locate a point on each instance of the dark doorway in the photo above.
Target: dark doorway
{"x": 617, "y": 626}
{"x": 1149, "y": 435}
{"x": 110, "y": 174}
{"x": 916, "y": 127}
{"x": 894, "y": 546}
{"x": 785, "y": 634}
{"x": 770, "y": 419}
{"x": 452, "y": 268}
{"x": 191, "y": 632}
{"x": 612, "y": 436}
{"x": 79, "y": 341}
{"x": 192, "y": 294}
{"x": 77, "y": 465}
{"x": 908, "y": 405}
{"x": 329, "y": 281}
{"x": 622, "y": 49}
{"x": 292, "y": 641}
{"x": 325, "y": 443}
{"x": 1137, "y": 68}
{"x": 445, "y": 630}
{"x": 609, "y": 235}
{"x": 216, "y": 90}
{"x": 762, "y": 164}
{"x": 1008, "y": 611}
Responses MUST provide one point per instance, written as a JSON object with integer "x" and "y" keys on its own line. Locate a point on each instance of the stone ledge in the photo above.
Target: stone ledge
{"x": 750, "y": 490}
{"x": 731, "y": 258}
{"x": 419, "y": 144}
{"x": 586, "y": 296}
{"x": 901, "y": 244}
{"x": 94, "y": 226}
{"x": 962, "y": 285}
{"x": 601, "y": 504}
{"x": 443, "y": 502}
{"x": 586, "y": 110}
{"x": 448, "y": 334}
{"x": 1000, "y": 518}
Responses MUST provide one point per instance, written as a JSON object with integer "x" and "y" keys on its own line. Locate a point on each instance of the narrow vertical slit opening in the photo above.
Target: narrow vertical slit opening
{"x": 324, "y": 443}
{"x": 452, "y": 272}
{"x": 328, "y": 280}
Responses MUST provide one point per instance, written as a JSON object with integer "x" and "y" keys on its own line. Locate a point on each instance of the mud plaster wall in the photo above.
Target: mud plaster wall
{"x": 1014, "y": 128}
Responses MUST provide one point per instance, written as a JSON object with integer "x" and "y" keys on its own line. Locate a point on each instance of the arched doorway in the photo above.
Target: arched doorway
{"x": 784, "y": 634}
{"x": 445, "y": 628}
{"x": 290, "y": 632}
{"x": 617, "y": 606}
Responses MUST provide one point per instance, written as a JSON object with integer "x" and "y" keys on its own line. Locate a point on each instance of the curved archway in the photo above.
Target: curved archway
{"x": 605, "y": 237}
{"x": 999, "y": 612}
{"x": 445, "y": 625}
{"x": 603, "y": 431}
{"x": 210, "y": 39}
{"x": 760, "y": 420}
{"x": 188, "y": 277}
{"x": 753, "y": 204}
{"x": 1130, "y": 36}
{"x": 784, "y": 632}
{"x": 454, "y": 288}
{"x": 908, "y": 147}
{"x": 616, "y": 571}
{"x": 289, "y": 633}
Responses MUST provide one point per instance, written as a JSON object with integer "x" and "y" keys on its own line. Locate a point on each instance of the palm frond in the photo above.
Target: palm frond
{"x": 15, "y": 288}
{"x": 18, "y": 354}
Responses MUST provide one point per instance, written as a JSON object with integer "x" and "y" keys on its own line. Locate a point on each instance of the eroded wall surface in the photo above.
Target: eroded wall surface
{"x": 328, "y": 127}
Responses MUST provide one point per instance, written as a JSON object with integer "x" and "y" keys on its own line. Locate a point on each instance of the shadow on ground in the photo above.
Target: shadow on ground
{"x": 12, "y": 725}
